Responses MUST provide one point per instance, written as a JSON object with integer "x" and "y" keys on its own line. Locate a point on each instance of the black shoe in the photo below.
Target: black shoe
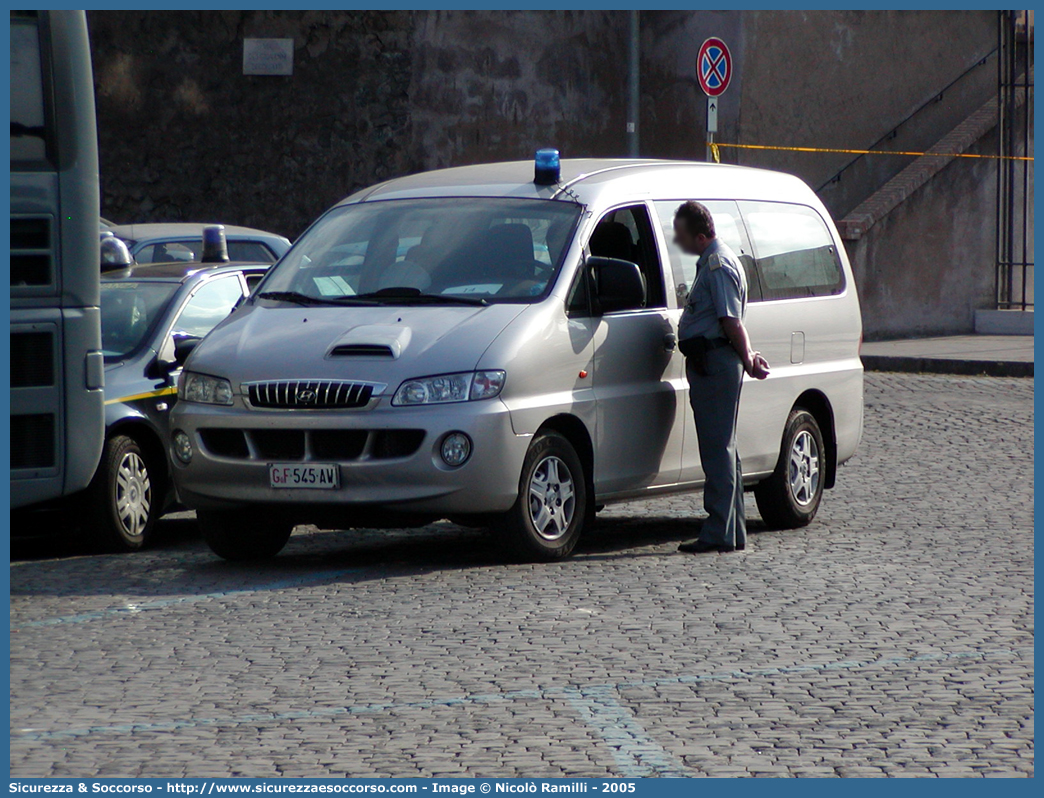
{"x": 699, "y": 547}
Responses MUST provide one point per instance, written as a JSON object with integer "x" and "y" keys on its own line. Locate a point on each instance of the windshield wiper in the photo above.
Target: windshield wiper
{"x": 413, "y": 295}
{"x": 305, "y": 299}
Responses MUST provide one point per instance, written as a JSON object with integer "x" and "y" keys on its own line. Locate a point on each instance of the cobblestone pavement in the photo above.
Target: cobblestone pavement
{"x": 891, "y": 637}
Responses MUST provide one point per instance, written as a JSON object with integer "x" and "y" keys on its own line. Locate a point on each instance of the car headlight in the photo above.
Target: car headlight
{"x": 463, "y": 387}
{"x": 203, "y": 388}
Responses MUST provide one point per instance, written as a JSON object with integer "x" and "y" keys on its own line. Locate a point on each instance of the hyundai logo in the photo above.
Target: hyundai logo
{"x": 306, "y": 396}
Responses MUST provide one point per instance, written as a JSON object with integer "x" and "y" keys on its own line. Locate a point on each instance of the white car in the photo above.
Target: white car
{"x": 464, "y": 377}
{"x": 182, "y": 242}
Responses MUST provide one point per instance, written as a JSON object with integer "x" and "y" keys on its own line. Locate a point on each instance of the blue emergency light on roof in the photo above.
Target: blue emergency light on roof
{"x": 215, "y": 250}
{"x": 548, "y": 168}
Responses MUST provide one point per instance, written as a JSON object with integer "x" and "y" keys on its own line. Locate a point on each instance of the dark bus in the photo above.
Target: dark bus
{"x": 57, "y": 369}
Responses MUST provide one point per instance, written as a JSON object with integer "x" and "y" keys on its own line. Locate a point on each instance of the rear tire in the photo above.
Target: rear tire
{"x": 548, "y": 516}
{"x": 124, "y": 496}
{"x": 790, "y": 498}
{"x": 243, "y": 535}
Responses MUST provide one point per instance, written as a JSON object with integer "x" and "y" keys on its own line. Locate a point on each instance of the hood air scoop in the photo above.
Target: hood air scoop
{"x": 362, "y": 350}
{"x": 374, "y": 341}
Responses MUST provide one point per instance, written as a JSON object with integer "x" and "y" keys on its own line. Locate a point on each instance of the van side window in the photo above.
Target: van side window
{"x": 727, "y": 226}
{"x": 626, "y": 234}
{"x": 795, "y": 253}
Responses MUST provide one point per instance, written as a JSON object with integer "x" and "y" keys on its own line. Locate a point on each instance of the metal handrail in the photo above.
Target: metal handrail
{"x": 891, "y": 134}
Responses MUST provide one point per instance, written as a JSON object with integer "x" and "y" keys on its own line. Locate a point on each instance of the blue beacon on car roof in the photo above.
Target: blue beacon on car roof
{"x": 548, "y": 167}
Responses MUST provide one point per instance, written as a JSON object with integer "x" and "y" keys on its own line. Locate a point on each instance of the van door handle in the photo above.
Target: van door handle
{"x": 670, "y": 342}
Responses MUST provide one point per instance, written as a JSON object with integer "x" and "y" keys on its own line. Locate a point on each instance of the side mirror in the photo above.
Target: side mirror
{"x": 619, "y": 284}
{"x": 183, "y": 348}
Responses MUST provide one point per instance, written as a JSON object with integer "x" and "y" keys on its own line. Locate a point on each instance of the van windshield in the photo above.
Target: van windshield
{"x": 496, "y": 250}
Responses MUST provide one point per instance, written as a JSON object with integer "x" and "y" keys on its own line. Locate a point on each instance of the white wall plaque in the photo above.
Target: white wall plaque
{"x": 268, "y": 56}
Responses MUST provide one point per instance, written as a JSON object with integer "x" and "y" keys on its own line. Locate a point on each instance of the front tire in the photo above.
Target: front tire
{"x": 124, "y": 496}
{"x": 790, "y": 498}
{"x": 548, "y": 516}
{"x": 243, "y": 535}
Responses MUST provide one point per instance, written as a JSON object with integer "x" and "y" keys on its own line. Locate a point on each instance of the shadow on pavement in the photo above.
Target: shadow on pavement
{"x": 53, "y": 534}
{"x": 180, "y": 564}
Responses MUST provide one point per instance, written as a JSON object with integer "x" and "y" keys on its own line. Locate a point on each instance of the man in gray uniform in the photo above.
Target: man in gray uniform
{"x": 717, "y": 349}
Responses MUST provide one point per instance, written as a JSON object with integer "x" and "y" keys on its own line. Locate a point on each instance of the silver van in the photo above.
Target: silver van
{"x": 496, "y": 345}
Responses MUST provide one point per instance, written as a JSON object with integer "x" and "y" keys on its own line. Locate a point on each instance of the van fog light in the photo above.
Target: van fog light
{"x": 456, "y": 449}
{"x": 182, "y": 447}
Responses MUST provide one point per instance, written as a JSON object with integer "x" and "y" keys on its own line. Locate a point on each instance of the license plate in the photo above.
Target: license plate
{"x": 316, "y": 476}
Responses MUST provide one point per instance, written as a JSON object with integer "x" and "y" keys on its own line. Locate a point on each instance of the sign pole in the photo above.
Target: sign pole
{"x": 714, "y": 73}
{"x": 712, "y": 126}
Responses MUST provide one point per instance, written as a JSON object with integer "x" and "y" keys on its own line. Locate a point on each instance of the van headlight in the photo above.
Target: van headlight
{"x": 463, "y": 387}
{"x": 203, "y": 388}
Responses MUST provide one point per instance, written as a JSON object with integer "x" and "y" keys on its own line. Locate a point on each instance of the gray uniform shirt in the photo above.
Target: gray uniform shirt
{"x": 719, "y": 290}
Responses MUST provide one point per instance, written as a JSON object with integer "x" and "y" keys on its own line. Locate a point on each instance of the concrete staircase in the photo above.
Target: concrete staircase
{"x": 896, "y": 191}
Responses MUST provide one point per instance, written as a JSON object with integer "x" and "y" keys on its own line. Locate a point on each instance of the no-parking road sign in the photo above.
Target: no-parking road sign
{"x": 714, "y": 67}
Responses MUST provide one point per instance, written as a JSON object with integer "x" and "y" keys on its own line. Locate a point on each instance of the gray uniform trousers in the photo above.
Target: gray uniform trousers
{"x": 715, "y": 406}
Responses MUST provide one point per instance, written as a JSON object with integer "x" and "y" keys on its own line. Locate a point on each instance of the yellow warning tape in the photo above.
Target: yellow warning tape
{"x": 714, "y": 145}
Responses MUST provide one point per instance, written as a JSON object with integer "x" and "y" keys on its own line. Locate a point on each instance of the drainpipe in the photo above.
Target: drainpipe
{"x": 633, "y": 54}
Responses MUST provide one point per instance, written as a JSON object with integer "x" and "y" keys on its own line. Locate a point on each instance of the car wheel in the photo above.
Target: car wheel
{"x": 243, "y": 535}
{"x": 551, "y": 508}
{"x": 125, "y": 496}
{"x": 790, "y": 497}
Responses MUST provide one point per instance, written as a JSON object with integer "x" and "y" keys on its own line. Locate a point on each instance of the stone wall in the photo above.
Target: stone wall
{"x": 184, "y": 135}
{"x": 495, "y": 86}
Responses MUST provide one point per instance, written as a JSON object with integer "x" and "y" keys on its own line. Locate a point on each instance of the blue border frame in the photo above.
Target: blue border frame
{"x": 659, "y": 787}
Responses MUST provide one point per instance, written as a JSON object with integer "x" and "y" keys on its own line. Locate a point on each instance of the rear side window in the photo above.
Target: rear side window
{"x": 168, "y": 252}
{"x": 250, "y": 252}
{"x": 796, "y": 256}
{"x": 727, "y": 226}
{"x": 176, "y": 251}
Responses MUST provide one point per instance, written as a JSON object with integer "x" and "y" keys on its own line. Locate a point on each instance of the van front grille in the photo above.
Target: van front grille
{"x": 389, "y": 444}
{"x": 32, "y": 441}
{"x": 310, "y": 394}
{"x": 339, "y": 445}
{"x": 279, "y": 444}
{"x": 32, "y": 360}
{"x": 225, "y": 443}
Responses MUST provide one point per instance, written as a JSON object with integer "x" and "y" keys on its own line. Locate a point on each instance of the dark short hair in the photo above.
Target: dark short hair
{"x": 696, "y": 218}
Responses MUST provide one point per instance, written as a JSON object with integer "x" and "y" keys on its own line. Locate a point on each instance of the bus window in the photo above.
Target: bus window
{"x": 29, "y": 133}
